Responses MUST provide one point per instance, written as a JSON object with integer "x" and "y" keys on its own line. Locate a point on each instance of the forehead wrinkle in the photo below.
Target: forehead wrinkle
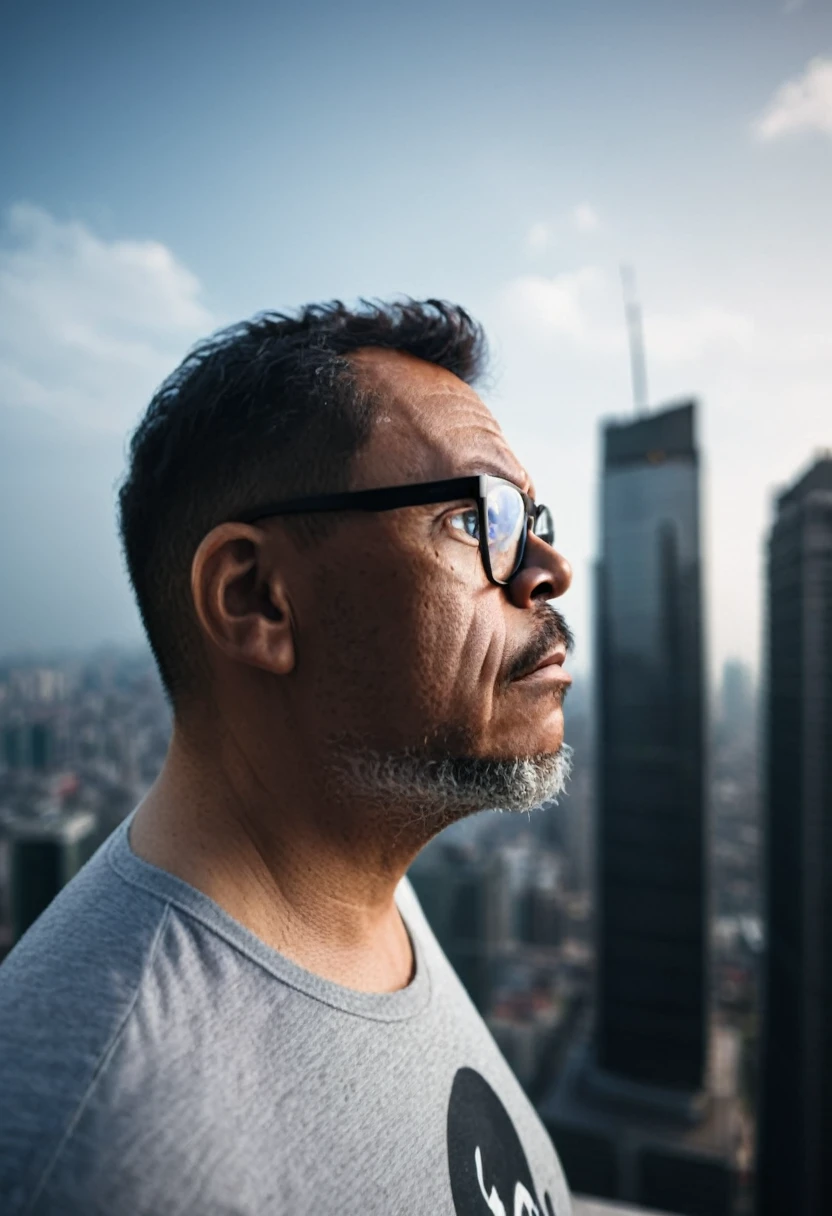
{"x": 467, "y": 441}
{"x": 475, "y": 415}
{"x": 432, "y": 421}
{"x": 411, "y": 382}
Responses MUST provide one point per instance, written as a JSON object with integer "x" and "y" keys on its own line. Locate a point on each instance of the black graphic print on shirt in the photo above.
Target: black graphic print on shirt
{"x": 490, "y": 1175}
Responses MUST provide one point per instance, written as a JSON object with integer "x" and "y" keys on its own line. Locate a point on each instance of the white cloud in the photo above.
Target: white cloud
{"x": 89, "y": 327}
{"x": 585, "y": 218}
{"x": 567, "y": 306}
{"x": 803, "y": 104}
{"x": 705, "y": 332}
{"x": 539, "y": 237}
{"x": 542, "y": 235}
{"x": 583, "y": 309}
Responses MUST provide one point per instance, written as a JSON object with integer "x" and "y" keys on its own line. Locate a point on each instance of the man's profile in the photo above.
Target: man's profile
{"x": 238, "y": 1006}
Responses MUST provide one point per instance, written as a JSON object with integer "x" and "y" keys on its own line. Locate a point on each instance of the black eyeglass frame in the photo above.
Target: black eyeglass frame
{"x": 390, "y": 498}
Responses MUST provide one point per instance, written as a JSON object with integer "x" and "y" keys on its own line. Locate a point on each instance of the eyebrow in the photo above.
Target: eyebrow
{"x": 498, "y": 470}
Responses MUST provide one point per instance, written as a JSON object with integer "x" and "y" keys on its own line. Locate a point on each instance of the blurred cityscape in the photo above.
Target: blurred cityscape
{"x": 619, "y": 942}
{"x": 82, "y": 740}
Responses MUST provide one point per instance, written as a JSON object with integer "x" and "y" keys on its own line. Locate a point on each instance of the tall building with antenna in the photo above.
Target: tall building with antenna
{"x": 651, "y": 1027}
{"x": 635, "y": 336}
{"x": 634, "y": 1116}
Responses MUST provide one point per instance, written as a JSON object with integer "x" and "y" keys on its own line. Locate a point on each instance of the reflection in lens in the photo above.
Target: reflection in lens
{"x": 544, "y": 526}
{"x": 506, "y": 520}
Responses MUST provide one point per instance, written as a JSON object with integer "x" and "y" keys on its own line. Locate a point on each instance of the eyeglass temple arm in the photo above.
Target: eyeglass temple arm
{"x": 386, "y": 499}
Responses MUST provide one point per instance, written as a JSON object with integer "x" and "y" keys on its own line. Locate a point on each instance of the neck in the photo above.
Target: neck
{"x": 312, "y": 879}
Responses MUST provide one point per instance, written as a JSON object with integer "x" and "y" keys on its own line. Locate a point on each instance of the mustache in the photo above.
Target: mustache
{"x": 554, "y": 631}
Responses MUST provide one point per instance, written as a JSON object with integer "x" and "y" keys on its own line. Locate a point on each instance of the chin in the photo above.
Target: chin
{"x": 539, "y": 737}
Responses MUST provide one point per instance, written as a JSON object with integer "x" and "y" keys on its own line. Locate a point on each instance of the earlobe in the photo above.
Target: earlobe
{"x": 243, "y": 610}
{"x": 277, "y": 613}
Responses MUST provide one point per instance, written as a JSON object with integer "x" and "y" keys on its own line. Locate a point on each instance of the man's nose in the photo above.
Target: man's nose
{"x": 544, "y": 575}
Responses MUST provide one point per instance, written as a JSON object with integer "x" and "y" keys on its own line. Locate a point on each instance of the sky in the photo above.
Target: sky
{"x": 168, "y": 168}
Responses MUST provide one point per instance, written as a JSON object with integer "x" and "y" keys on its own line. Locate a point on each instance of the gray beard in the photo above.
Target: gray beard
{"x": 433, "y": 791}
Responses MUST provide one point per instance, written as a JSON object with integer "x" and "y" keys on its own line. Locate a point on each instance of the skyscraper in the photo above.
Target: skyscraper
{"x": 651, "y": 1026}
{"x": 632, "y": 1115}
{"x": 45, "y": 853}
{"x": 794, "y": 1169}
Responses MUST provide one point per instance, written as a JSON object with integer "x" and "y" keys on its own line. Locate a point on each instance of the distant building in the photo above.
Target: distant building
{"x": 15, "y": 746}
{"x": 39, "y": 685}
{"x": 737, "y": 709}
{"x": 524, "y": 1039}
{"x": 539, "y": 915}
{"x": 44, "y": 853}
{"x": 632, "y": 1115}
{"x": 794, "y": 1170}
{"x": 467, "y": 899}
{"x": 650, "y": 829}
{"x": 574, "y": 810}
{"x": 42, "y": 735}
{"x": 29, "y": 746}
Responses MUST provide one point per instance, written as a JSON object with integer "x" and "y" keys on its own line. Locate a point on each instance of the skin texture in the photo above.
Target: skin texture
{"x": 386, "y": 630}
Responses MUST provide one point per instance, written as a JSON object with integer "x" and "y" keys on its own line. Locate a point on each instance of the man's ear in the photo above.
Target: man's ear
{"x": 241, "y": 604}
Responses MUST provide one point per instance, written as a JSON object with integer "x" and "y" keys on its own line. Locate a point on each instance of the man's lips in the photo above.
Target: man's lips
{"x": 550, "y": 668}
{"x": 542, "y": 659}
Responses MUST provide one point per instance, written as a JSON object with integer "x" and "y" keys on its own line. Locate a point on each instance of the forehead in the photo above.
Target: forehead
{"x": 429, "y": 425}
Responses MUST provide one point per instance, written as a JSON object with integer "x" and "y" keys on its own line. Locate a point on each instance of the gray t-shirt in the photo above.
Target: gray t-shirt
{"x": 158, "y": 1058}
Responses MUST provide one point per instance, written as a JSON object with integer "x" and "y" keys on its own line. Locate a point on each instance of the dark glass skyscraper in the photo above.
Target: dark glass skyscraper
{"x": 794, "y": 1163}
{"x": 651, "y": 1025}
{"x": 634, "y": 1114}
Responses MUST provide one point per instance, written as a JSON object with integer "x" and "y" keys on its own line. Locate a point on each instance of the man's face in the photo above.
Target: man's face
{"x": 402, "y": 641}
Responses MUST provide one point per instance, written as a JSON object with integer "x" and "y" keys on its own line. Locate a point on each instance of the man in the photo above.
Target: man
{"x": 237, "y": 1006}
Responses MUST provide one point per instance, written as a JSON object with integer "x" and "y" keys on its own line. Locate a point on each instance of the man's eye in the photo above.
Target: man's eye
{"x": 467, "y": 521}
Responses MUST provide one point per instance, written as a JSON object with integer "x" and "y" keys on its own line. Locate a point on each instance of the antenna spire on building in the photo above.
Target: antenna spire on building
{"x": 638, "y": 366}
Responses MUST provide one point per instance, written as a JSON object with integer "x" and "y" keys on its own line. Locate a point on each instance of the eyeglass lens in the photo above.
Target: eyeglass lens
{"x": 506, "y": 513}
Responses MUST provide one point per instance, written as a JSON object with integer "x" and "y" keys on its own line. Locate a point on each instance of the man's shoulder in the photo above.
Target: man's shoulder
{"x": 66, "y": 992}
{"x": 120, "y": 1025}
{"x": 86, "y": 953}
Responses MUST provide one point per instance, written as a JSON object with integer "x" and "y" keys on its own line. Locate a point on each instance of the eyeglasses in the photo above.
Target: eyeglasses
{"x": 501, "y": 519}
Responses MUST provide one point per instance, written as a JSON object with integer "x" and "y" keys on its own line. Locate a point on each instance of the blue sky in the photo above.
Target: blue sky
{"x": 167, "y": 167}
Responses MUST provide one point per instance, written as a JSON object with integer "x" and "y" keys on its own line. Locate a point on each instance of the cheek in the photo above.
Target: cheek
{"x": 461, "y": 645}
{"x": 395, "y": 649}
{"x": 439, "y": 630}
{"x": 368, "y": 642}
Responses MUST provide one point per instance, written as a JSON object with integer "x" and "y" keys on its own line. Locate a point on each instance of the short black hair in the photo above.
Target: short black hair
{"x": 270, "y": 408}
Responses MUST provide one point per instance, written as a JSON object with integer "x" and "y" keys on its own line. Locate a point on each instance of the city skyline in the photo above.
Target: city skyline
{"x": 547, "y": 146}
